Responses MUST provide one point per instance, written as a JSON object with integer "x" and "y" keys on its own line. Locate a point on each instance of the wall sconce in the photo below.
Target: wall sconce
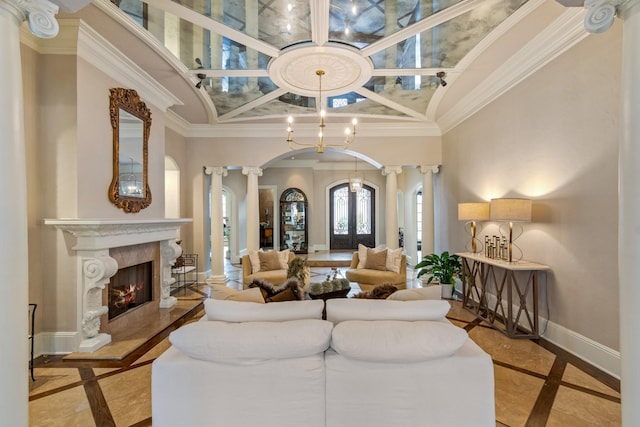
{"x": 472, "y": 212}
{"x": 512, "y": 210}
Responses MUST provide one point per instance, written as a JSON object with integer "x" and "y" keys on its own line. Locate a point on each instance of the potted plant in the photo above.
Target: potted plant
{"x": 443, "y": 268}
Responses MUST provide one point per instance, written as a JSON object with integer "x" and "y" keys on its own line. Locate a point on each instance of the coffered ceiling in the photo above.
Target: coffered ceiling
{"x": 257, "y": 59}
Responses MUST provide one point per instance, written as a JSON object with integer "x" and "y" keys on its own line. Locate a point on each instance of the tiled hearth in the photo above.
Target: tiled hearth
{"x": 99, "y": 248}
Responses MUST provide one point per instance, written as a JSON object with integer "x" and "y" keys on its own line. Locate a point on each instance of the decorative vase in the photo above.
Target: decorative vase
{"x": 447, "y": 290}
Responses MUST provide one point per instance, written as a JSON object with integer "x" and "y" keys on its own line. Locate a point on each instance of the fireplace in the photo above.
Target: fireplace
{"x": 130, "y": 288}
{"x": 96, "y": 249}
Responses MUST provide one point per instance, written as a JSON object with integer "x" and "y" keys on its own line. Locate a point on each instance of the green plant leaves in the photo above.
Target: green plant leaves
{"x": 443, "y": 268}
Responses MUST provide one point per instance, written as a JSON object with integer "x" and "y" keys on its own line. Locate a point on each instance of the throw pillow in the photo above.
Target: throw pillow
{"x": 252, "y": 342}
{"x": 237, "y": 311}
{"x": 397, "y": 341}
{"x": 223, "y": 292}
{"x": 255, "y": 261}
{"x": 284, "y": 259}
{"x": 362, "y": 254}
{"x": 429, "y": 292}
{"x": 269, "y": 261}
{"x": 341, "y": 309}
{"x": 394, "y": 258}
{"x": 376, "y": 260}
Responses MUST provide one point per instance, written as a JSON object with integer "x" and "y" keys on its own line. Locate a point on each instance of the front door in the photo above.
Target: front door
{"x": 351, "y": 217}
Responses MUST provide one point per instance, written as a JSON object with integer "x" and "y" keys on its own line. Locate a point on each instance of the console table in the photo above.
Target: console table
{"x": 485, "y": 281}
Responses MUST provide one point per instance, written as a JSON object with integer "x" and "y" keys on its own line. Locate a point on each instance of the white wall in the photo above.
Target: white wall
{"x": 554, "y": 139}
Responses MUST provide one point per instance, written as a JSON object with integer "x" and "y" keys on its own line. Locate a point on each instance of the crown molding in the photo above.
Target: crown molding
{"x": 96, "y": 50}
{"x": 565, "y": 32}
{"x": 176, "y": 123}
{"x": 304, "y": 130}
{"x": 77, "y": 38}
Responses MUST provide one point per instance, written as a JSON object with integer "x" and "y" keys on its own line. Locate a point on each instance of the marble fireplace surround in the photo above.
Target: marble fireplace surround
{"x": 94, "y": 240}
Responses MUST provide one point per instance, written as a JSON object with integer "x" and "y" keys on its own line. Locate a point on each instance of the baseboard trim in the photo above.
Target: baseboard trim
{"x": 56, "y": 343}
{"x": 596, "y": 354}
{"x": 592, "y": 352}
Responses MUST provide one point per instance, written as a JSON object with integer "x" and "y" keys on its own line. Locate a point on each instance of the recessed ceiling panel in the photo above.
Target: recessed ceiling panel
{"x": 356, "y": 104}
{"x": 413, "y": 92}
{"x": 285, "y": 105}
{"x": 179, "y": 34}
{"x": 279, "y": 23}
{"x": 408, "y": 42}
{"x": 363, "y": 22}
{"x": 446, "y": 44}
{"x": 229, "y": 93}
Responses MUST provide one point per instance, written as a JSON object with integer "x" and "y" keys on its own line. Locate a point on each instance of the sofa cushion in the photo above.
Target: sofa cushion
{"x": 223, "y": 292}
{"x": 396, "y": 341}
{"x": 428, "y": 292}
{"x": 235, "y": 311}
{"x": 252, "y": 342}
{"x": 339, "y": 310}
{"x": 376, "y": 260}
{"x": 269, "y": 261}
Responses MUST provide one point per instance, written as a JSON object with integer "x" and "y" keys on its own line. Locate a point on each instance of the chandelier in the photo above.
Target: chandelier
{"x": 350, "y": 132}
{"x": 356, "y": 180}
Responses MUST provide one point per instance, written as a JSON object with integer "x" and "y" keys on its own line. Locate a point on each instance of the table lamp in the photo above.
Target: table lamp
{"x": 512, "y": 210}
{"x": 472, "y": 212}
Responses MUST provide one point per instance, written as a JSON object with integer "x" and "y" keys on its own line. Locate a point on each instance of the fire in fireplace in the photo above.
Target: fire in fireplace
{"x": 129, "y": 288}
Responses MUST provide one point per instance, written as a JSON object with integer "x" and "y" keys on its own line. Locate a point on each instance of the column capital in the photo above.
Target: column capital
{"x": 251, "y": 170}
{"x": 430, "y": 169}
{"x": 39, "y": 13}
{"x": 601, "y": 13}
{"x": 218, "y": 170}
{"x": 388, "y": 170}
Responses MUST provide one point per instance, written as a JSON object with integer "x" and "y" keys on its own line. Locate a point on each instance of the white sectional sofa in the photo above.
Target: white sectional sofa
{"x": 373, "y": 363}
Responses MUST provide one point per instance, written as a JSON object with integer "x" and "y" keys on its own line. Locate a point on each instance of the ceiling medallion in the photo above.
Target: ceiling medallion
{"x": 345, "y": 69}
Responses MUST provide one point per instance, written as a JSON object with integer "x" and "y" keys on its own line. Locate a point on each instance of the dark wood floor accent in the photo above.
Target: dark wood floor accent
{"x": 99, "y": 407}
{"x": 542, "y": 408}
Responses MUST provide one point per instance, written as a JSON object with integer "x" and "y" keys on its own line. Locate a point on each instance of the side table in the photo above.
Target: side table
{"x": 485, "y": 281}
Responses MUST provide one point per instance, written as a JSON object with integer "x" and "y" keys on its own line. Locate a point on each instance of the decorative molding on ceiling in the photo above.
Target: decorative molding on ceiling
{"x": 334, "y": 129}
{"x": 478, "y": 49}
{"x": 96, "y": 50}
{"x": 564, "y": 33}
{"x": 77, "y": 38}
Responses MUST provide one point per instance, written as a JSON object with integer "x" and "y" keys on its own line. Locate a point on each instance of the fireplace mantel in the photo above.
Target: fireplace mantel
{"x": 93, "y": 240}
{"x": 93, "y": 234}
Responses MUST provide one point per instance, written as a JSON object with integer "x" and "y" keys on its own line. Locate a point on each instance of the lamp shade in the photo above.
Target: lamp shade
{"x": 516, "y": 210}
{"x": 473, "y": 211}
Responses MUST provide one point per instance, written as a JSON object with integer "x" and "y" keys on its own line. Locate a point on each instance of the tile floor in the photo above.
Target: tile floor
{"x": 537, "y": 384}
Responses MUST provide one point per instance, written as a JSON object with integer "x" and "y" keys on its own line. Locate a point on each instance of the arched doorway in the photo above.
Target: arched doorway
{"x": 351, "y": 217}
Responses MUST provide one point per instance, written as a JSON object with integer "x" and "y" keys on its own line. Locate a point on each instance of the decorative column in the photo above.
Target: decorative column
{"x": 217, "y": 225}
{"x": 13, "y": 219}
{"x": 428, "y": 231}
{"x": 391, "y": 205}
{"x": 253, "y": 206}
{"x": 600, "y": 16}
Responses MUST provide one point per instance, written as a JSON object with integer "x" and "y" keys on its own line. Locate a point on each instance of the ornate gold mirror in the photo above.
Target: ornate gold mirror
{"x": 131, "y": 122}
